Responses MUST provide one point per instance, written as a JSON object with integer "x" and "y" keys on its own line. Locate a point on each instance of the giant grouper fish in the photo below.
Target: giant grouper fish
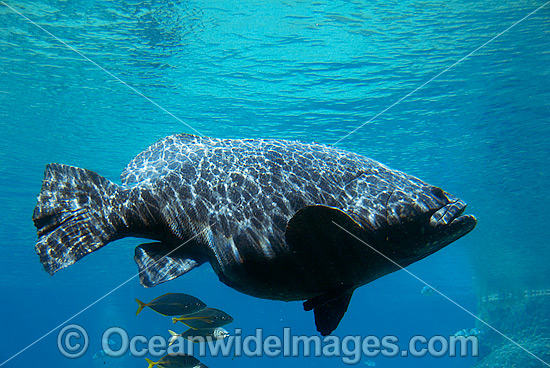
{"x": 276, "y": 219}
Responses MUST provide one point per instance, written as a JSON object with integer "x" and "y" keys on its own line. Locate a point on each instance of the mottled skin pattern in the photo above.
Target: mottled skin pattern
{"x": 236, "y": 198}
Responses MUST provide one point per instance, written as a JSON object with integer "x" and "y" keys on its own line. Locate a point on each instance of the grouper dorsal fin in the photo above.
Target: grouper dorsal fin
{"x": 156, "y": 267}
{"x": 317, "y": 233}
{"x": 159, "y": 160}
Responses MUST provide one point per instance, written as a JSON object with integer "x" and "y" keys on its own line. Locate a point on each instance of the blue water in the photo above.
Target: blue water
{"x": 306, "y": 70}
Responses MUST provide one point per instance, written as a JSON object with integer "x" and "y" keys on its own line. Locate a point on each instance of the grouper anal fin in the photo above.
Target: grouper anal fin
{"x": 157, "y": 265}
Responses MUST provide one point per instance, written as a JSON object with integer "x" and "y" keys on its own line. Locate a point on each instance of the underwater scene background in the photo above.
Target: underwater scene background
{"x": 299, "y": 70}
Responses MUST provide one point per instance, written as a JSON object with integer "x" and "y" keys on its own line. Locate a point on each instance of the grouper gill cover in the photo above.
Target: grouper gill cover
{"x": 276, "y": 219}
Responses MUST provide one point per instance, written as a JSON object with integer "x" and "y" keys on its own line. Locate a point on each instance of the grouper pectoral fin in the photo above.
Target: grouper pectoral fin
{"x": 329, "y": 310}
{"x": 321, "y": 227}
{"x": 157, "y": 265}
{"x": 316, "y": 233}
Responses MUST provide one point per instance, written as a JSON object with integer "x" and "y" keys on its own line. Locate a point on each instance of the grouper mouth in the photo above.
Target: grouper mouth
{"x": 445, "y": 225}
{"x": 448, "y": 223}
{"x": 450, "y": 214}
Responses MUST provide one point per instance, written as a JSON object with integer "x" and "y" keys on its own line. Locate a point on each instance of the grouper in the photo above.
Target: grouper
{"x": 276, "y": 219}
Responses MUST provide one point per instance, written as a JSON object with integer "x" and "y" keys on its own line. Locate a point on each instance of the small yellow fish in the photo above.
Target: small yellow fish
{"x": 173, "y": 304}
{"x": 206, "y": 318}
{"x": 176, "y": 361}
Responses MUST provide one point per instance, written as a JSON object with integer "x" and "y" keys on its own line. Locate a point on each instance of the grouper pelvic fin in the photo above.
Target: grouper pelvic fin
{"x": 329, "y": 309}
{"x": 158, "y": 263}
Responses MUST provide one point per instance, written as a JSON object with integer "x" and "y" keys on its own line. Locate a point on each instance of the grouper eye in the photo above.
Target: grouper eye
{"x": 438, "y": 192}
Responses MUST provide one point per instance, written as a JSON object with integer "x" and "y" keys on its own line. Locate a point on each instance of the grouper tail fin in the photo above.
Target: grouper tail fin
{"x": 75, "y": 215}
